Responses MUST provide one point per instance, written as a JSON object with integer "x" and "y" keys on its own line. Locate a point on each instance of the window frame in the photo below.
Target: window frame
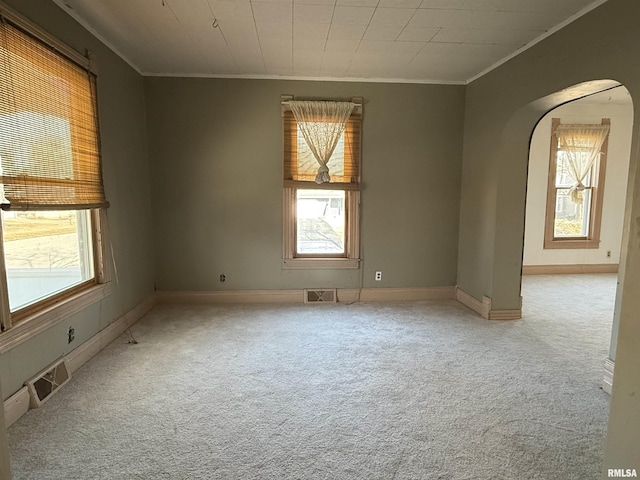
{"x": 592, "y": 240}
{"x": 350, "y": 258}
{"x": 53, "y": 309}
{"x": 25, "y": 323}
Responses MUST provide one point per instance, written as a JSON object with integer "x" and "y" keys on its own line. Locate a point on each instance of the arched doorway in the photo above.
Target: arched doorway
{"x": 546, "y": 216}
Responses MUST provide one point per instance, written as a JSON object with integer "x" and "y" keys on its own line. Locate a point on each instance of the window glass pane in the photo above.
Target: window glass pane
{"x": 45, "y": 253}
{"x": 320, "y": 221}
{"x": 563, "y": 176}
{"x": 307, "y": 163}
{"x": 572, "y": 219}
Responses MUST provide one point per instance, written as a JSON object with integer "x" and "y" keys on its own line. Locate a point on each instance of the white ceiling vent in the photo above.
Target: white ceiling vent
{"x": 325, "y": 295}
{"x": 47, "y": 382}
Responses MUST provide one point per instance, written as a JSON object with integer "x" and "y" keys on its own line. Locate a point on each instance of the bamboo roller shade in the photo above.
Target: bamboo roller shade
{"x": 49, "y": 138}
{"x": 293, "y": 171}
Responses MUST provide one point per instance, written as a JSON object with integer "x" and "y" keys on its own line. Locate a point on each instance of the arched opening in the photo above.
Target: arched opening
{"x": 622, "y": 435}
{"x": 572, "y": 249}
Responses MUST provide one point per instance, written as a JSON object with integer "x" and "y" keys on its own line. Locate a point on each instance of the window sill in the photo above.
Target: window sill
{"x": 40, "y": 321}
{"x": 571, "y": 244}
{"x": 319, "y": 263}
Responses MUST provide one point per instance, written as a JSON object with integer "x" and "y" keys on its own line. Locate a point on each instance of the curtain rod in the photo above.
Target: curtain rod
{"x": 357, "y": 103}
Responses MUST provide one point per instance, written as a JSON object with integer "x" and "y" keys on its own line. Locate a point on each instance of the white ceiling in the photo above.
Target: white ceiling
{"x": 440, "y": 41}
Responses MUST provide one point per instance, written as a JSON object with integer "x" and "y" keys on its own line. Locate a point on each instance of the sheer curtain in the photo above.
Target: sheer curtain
{"x": 321, "y": 125}
{"x": 581, "y": 144}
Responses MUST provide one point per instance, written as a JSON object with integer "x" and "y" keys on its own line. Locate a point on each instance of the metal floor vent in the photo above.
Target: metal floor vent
{"x": 47, "y": 382}
{"x": 325, "y": 295}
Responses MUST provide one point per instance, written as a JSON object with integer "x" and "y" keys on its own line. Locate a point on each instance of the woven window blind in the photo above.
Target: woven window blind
{"x": 49, "y": 138}
{"x": 300, "y": 167}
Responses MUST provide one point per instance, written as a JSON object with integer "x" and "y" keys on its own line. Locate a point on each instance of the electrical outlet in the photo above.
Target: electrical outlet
{"x": 378, "y": 276}
{"x": 71, "y": 334}
{"x": 608, "y": 253}
{"x": 222, "y": 278}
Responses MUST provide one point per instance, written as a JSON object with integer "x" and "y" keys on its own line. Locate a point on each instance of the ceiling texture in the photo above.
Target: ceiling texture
{"x": 418, "y": 41}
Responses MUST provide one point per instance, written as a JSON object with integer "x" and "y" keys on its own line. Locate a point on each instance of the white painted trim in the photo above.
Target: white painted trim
{"x": 79, "y": 356}
{"x": 514, "y": 314}
{"x": 569, "y": 269}
{"x": 50, "y": 316}
{"x": 233, "y": 296}
{"x": 16, "y": 406}
{"x": 483, "y": 308}
{"x": 303, "y": 78}
{"x": 404, "y": 294}
{"x": 346, "y": 295}
{"x": 607, "y": 380}
{"x": 538, "y": 39}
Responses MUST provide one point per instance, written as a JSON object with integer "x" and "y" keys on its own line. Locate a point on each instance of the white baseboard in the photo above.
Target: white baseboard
{"x": 18, "y": 404}
{"x": 483, "y": 308}
{"x": 607, "y": 381}
{"x": 513, "y": 314}
{"x": 297, "y": 296}
{"x": 233, "y": 296}
{"x": 405, "y": 294}
{"x": 569, "y": 269}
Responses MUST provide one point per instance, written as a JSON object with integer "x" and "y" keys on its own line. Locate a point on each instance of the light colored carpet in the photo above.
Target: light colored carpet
{"x": 423, "y": 390}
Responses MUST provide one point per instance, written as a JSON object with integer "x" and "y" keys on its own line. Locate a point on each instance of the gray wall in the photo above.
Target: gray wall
{"x": 502, "y": 109}
{"x": 215, "y": 149}
{"x": 126, "y": 177}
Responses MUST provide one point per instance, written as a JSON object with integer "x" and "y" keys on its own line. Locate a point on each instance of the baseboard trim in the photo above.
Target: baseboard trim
{"x": 483, "y": 308}
{"x": 607, "y": 381}
{"x": 18, "y": 403}
{"x": 79, "y": 356}
{"x": 514, "y": 314}
{"x": 480, "y": 307}
{"x": 346, "y": 295}
{"x": 569, "y": 269}
{"x": 406, "y": 294}
{"x": 233, "y": 296}
{"x": 16, "y": 406}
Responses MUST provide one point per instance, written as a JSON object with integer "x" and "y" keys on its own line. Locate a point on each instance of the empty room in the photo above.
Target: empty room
{"x": 323, "y": 239}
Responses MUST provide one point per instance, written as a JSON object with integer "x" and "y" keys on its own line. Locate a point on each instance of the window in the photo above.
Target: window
{"x": 576, "y": 181}
{"x": 321, "y": 201}
{"x": 51, "y": 189}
